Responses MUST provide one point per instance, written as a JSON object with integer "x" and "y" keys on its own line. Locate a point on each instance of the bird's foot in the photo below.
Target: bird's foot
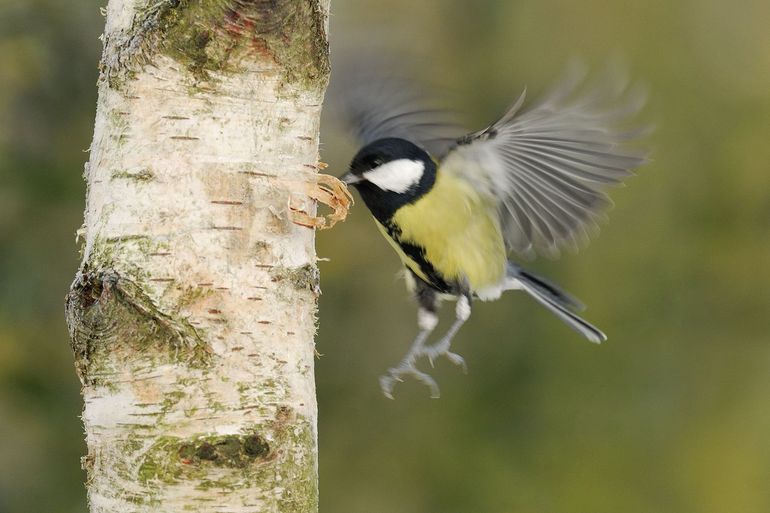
{"x": 441, "y": 348}
{"x": 407, "y": 368}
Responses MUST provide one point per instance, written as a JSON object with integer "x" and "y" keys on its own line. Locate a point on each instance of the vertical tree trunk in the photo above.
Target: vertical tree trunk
{"x": 193, "y": 313}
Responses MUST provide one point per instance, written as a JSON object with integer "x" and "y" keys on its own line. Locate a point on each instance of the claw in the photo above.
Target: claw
{"x": 441, "y": 348}
{"x": 435, "y": 392}
{"x": 407, "y": 367}
{"x": 386, "y": 385}
{"x": 458, "y": 360}
{"x": 427, "y": 321}
{"x": 388, "y": 381}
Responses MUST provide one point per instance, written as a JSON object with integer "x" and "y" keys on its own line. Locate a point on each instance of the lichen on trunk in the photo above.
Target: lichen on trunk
{"x": 192, "y": 316}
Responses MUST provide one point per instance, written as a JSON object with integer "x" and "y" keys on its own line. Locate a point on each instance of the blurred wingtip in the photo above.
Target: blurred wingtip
{"x": 377, "y": 94}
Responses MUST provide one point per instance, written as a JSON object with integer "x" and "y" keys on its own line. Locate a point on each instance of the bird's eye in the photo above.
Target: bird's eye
{"x": 377, "y": 163}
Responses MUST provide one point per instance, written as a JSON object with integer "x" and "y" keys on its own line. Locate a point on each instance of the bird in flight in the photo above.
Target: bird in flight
{"x": 454, "y": 208}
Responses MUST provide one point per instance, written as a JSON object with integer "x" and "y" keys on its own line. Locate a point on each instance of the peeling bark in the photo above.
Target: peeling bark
{"x": 192, "y": 316}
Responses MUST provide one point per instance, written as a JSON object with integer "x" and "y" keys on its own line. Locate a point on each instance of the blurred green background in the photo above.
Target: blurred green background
{"x": 671, "y": 415}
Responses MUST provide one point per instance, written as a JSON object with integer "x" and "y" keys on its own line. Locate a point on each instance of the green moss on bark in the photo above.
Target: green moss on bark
{"x": 280, "y": 451}
{"x": 218, "y": 35}
{"x": 143, "y": 175}
{"x": 171, "y": 459}
{"x": 305, "y": 277}
{"x": 302, "y": 497}
{"x": 111, "y": 319}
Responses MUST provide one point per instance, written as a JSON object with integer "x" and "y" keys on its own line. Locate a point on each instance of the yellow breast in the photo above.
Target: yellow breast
{"x": 460, "y": 231}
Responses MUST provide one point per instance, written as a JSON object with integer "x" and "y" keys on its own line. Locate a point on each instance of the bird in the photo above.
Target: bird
{"x": 455, "y": 208}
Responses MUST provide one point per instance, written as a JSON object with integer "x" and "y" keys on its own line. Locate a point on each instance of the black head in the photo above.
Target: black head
{"x": 391, "y": 173}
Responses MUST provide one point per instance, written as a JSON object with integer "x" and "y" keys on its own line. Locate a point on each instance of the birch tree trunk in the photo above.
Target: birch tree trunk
{"x": 193, "y": 313}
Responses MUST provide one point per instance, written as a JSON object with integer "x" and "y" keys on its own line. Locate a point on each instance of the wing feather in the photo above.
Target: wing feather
{"x": 379, "y": 100}
{"x": 548, "y": 167}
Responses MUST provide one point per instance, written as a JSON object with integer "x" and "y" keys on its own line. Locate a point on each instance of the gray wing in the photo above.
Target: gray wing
{"x": 548, "y": 167}
{"x": 378, "y": 100}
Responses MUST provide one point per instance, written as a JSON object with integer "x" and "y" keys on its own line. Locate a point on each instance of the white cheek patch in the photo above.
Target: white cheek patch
{"x": 396, "y": 176}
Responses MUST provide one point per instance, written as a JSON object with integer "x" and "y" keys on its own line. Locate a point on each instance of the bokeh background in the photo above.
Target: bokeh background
{"x": 671, "y": 415}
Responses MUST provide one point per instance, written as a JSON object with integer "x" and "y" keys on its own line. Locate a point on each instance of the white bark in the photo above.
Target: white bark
{"x": 193, "y": 313}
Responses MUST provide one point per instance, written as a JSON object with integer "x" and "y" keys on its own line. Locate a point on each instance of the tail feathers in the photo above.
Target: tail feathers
{"x": 551, "y": 290}
{"x": 554, "y": 292}
{"x": 558, "y": 302}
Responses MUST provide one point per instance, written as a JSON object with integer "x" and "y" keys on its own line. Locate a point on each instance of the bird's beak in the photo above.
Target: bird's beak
{"x": 350, "y": 179}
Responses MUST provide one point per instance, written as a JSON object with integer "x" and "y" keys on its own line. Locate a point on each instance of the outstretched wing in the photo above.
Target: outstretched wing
{"x": 379, "y": 100}
{"x": 548, "y": 167}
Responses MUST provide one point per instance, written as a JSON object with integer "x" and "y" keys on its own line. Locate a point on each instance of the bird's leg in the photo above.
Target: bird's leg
{"x": 427, "y": 319}
{"x": 441, "y": 348}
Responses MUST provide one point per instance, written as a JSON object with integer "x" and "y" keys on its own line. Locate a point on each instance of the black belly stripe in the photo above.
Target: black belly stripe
{"x": 417, "y": 254}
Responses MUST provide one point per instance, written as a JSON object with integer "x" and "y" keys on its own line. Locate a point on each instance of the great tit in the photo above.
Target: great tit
{"x": 533, "y": 182}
